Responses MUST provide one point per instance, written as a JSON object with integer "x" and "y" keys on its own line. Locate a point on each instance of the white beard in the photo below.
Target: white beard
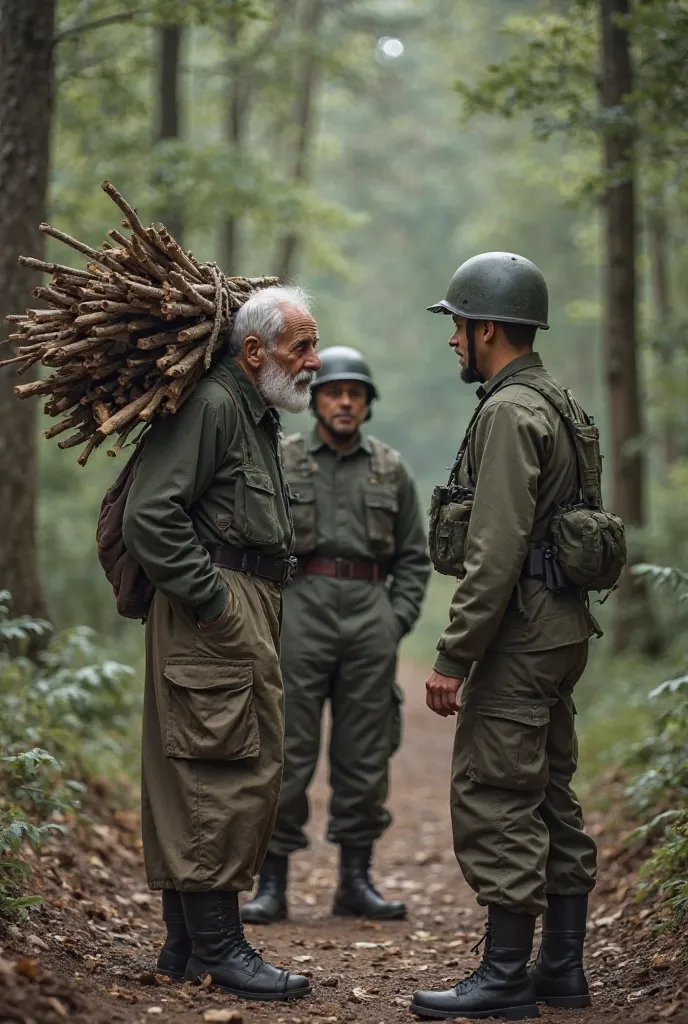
{"x": 278, "y": 388}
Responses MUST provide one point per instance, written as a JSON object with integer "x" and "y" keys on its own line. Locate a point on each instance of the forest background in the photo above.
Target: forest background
{"x": 365, "y": 148}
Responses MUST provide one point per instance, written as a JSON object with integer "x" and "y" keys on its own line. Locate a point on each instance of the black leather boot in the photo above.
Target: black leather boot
{"x": 356, "y": 896}
{"x": 220, "y": 949}
{"x": 501, "y": 986}
{"x": 270, "y": 902}
{"x": 176, "y": 949}
{"x": 558, "y": 974}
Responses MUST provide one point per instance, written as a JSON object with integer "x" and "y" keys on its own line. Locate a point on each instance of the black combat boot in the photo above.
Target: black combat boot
{"x": 356, "y": 896}
{"x": 220, "y": 949}
{"x": 270, "y": 902}
{"x": 501, "y": 986}
{"x": 176, "y": 949}
{"x": 558, "y": 975}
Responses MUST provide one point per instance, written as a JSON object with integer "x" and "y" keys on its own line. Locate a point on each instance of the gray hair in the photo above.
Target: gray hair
{"x": 263, "y": 315}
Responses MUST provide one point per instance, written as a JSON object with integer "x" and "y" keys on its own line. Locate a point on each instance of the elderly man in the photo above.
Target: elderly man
{"x": 363, "y": 570}
{"x": 208, "y": 519}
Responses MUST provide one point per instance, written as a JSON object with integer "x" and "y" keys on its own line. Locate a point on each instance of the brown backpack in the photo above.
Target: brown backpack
{"x": 133, "y": 590}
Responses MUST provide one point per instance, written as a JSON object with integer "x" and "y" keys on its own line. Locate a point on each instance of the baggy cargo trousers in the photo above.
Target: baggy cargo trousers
{"x": 518, "y": 827}
{"x": 213, "y": 723}
{"x": 339, "y": 643}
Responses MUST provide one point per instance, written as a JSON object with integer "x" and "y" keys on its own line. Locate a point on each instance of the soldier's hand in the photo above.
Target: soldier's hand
{"x": 441, "y": 694}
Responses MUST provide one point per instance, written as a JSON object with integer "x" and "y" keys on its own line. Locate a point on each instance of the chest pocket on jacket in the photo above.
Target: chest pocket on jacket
{"x": 381, "y": 509}
{"x": 255, "y": 498}
{"x": 303, "y": 512}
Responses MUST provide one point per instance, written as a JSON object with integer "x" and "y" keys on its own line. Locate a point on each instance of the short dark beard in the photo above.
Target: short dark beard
{"x": 340, "y": 435}
{"x": 468, "y": 376}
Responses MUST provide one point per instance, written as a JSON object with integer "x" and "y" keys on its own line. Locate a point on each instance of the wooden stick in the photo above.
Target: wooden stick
{"x": 124, "y": 416}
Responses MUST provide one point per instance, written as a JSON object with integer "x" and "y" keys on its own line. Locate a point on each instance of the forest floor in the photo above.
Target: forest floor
{"x": 88, "y": 955}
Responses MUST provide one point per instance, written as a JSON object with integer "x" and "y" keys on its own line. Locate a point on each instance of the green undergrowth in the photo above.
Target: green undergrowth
{"x": 67, "y": 716}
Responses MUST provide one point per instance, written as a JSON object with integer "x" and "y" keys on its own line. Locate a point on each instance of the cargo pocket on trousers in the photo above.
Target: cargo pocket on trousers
{"x": 509, "y": 745}
{"x": 210, "y": 710}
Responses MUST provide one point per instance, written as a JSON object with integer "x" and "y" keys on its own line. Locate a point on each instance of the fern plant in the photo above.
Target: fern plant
{"x": 659, "y": 793}
{"x": 70, "y": 706}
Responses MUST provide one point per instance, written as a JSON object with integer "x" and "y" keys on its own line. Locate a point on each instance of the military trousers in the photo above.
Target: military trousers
{"x": 213, "y": 725}
{"x": 517, "y": 824}
{"x": 339, "y": 644}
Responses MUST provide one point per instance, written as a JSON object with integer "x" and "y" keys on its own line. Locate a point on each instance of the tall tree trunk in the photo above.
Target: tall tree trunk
{"x": 26, "y": 104}
{"x": 658, "y": 236}
{"x": 632, "y": 620}
{"x": 168, "y": 119}
{"x": 236, "y": 124}
{"x": 290, "y": 245}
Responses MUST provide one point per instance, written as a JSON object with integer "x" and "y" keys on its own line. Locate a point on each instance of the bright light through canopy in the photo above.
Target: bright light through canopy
{"x": 390, "y": 48}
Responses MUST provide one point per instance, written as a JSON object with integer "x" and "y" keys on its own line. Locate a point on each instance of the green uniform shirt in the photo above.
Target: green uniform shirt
{"x": 210, "y": 474}
{"x": 344, "y": 510}
{"x": 521, "y": 463}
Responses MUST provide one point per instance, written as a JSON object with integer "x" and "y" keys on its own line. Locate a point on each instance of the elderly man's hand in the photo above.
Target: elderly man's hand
{"x": 442, "y": 694}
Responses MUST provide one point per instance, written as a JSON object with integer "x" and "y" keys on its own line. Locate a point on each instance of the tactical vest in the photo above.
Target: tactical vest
{"x": 583, "y": 540}
{"x": 380, "y": 497}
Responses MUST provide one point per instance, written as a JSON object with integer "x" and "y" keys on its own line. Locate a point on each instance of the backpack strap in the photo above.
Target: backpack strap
{"x": 384, "y": 460}
{"x": 574, "y": 418}
{"x": 296, "y": 458}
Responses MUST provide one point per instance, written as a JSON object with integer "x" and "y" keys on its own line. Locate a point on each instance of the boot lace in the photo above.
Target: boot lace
{"x": 481, "y": 970}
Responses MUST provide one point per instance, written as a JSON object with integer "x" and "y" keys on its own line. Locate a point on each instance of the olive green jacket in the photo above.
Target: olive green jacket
{"x": 360, "y": 505}
{"x": 210, "y": 474}
{"x": 521, "y": 463}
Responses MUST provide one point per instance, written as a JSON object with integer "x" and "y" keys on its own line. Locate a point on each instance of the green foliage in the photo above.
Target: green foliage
{"x": 77, "y": 710}
{"x": 659, "y": 792}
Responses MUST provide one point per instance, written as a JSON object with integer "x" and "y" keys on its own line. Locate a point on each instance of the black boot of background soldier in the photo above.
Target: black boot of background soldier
{"x": 558, "y": 974}
{"x": 270, "y": 902}
{"x": 356, "y": 895}
{"x": 501, "y": 986}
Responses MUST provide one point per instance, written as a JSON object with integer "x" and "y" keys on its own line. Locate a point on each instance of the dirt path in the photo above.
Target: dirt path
{"x": 88, "y": 956}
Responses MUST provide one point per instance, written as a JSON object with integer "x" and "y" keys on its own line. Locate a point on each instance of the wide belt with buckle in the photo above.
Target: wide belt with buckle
{"x": 278, "y": 570}
{"x": 343, "y": 569}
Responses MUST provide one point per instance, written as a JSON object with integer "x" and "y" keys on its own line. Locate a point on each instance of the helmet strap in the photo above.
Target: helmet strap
{"x": 475, "y": 377}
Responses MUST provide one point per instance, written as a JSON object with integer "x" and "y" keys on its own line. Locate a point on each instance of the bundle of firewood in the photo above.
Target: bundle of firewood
{"x": 130, "y": 335}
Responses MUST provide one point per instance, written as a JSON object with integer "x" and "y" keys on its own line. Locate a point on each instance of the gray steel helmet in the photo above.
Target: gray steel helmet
{"x": 497, "y": 286}
{"x": 343, "y": 363}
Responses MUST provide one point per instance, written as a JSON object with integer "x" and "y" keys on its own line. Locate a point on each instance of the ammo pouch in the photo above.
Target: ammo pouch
{"x": 588, "y": 543}
{"x": 450, "y": 512}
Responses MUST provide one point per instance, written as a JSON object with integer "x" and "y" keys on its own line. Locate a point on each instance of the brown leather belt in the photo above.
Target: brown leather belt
{"x": 343, "y": 569}
{"x": 278, "y": 570}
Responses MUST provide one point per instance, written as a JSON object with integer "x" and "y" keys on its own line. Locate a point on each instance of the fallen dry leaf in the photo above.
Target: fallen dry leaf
{"x": 59, "y": 1008}
{"x": 223, "y": 1017}
{"x": 27, "y": 967}
{"x": 359, "y": 995}
{"x": 148, "y": 978}
{"x": 206, "y": 980}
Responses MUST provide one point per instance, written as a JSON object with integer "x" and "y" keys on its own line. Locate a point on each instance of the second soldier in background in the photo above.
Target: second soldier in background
{"x": 363, "y": 569}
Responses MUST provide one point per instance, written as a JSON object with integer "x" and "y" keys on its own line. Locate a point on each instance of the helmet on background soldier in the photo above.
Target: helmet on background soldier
{"x": 343, "y": 363}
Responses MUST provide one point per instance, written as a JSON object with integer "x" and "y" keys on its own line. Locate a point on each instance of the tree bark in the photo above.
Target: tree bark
{"x": 168, "y": 119}
{"x": 290, "y": 245}
{"x": 658, "y": 237}
{"x": 26, "y": 104}
{"x": 633, "y": 621}
{"x": 236, "y": 124}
